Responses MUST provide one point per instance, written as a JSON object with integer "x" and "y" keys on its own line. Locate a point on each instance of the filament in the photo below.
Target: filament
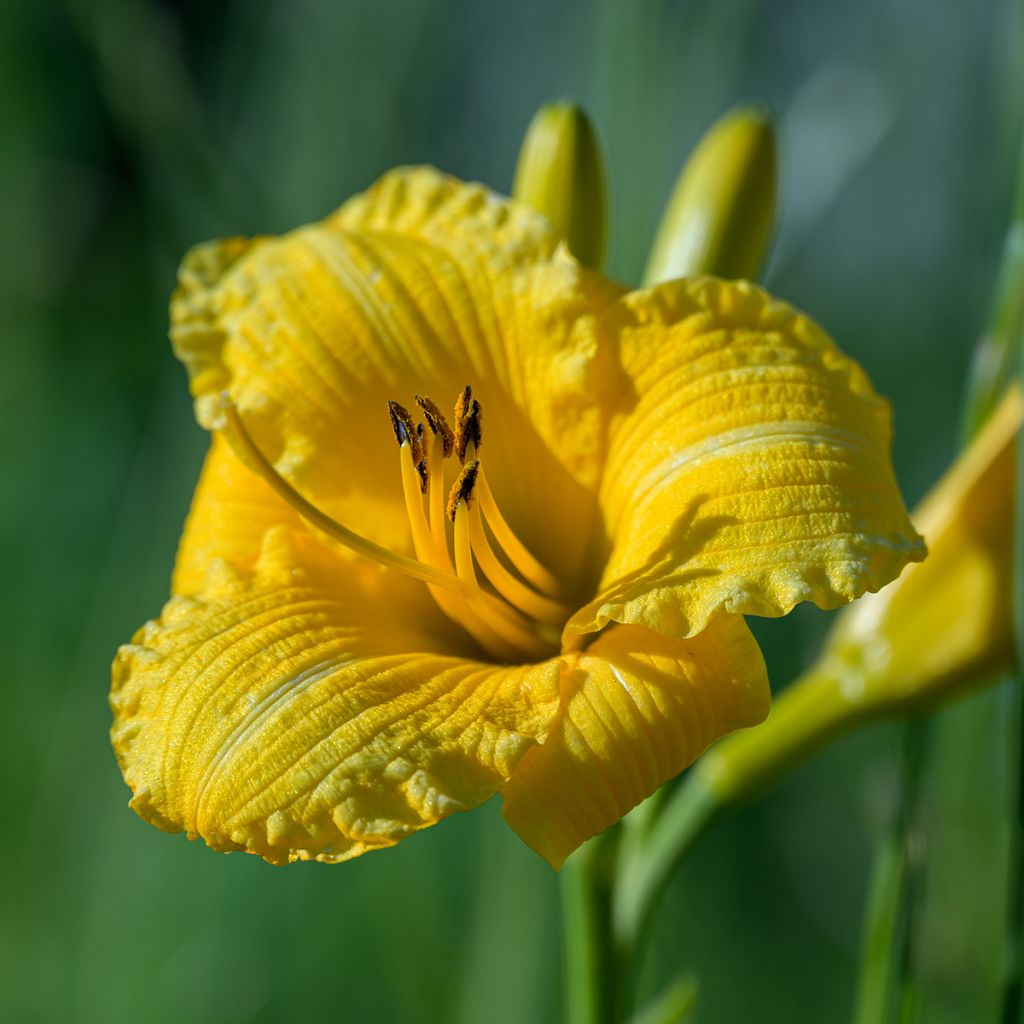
{"x": 511, "y": 612}
{"x": 518, "y": 554}
{"x": 514, "y": 590}
{"x": 247, "y": 449}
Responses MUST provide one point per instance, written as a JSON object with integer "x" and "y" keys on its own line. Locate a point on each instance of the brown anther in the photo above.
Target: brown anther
{"x": 469, "y": 430}
{"x": 405, "y": 430}
{"x": 421, "y": 468}
{"x": 438, "y": 424}
{"x": 462, "y": 405}
{"x": 462, "y": 491}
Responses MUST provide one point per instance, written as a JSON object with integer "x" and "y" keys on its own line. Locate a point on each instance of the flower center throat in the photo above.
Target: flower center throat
{"x": 511, "y": 607}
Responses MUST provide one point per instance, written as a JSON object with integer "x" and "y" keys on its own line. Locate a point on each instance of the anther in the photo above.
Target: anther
{"x": 469, "y": 429}
{"x": 421, "y": 469}
{"x": 405, "y": 430}
{"x": 437, "y": 423}
{"x": 462, "y": 405}
{"x": 462, "y": 491}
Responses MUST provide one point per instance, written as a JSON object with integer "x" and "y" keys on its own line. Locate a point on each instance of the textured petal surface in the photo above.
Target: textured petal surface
{"x": 232, "y": 510}
{"x": 421, "y": 285}
{"x": 748, "y": 469}
{"x": 637, "y": 708}
{"x": 286, "y": 713}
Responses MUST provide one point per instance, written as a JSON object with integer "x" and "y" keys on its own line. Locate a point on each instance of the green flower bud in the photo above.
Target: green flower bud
{"x": 719, "y": 218}
{"x": 560, "y": 173}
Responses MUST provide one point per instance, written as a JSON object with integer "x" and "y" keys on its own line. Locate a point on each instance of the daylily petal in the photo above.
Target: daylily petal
{"x": 283, "y": 713}
{"x": 637, "y": 708}
{"x": 421, "y": 285}
{"x": 232, "y": 511}
{"x": 749, "y": 469}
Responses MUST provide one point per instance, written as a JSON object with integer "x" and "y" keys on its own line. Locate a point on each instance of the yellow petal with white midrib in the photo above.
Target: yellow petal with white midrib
{"x": 748, "y": 467}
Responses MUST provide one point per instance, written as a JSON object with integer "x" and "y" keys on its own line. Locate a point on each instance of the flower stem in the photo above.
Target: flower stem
{"x": 643, "y": 871}
{"x": 1013, "y": 993}
{"x": 812, "y": 711}
{"x": 593, "y": 975}
{"x": 886, "y": 986}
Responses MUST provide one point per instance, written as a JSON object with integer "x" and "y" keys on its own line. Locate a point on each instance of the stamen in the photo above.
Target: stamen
{"x": 405, "y": 430}
{"x": 462, "y": 405}
{"x": 515, "y": 550}
{"x": 437, "y": 423}
{"x": 462, "y": 490}
{"x": 513, "y": 590}
{"x": 248, "y": 451}
{"x": 468, "y": 429}
{"x": 422, "y": 539}
{"x": 502, "y": 618}
{"x": 435, "y": 492}
{"x": 456, "y": 606}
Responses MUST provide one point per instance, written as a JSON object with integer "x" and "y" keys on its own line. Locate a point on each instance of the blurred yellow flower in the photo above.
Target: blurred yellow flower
{"x": 541, "y": 596}
{"x": 943, "y": 626}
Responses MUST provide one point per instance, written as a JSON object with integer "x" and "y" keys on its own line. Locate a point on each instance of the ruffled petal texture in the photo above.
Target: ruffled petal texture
{"x": 748, "y": 467}
{"x": 282, "y": 713}
{"x": 637, "y": 708}
{"x": 419, "y": 286}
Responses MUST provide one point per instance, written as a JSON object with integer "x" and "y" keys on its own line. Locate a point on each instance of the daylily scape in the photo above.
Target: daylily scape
{"x": 476, "y": 520}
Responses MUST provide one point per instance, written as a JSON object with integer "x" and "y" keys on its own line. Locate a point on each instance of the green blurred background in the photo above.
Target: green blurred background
{"x": 132, "y": 129}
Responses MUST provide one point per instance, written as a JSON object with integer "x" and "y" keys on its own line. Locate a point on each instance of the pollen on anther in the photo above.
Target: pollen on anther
{"x": 462, "y": 490}
{"x": 437, "y": 423}
{"x": 469, "y": 429}
{"x": 462, "y": 405}
{"x": 405, "y": 429}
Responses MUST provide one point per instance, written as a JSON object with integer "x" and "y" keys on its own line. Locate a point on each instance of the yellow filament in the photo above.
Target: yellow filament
{"x": 422, "y": 538}
{"x": 246, "y": 449}
{"x": 517, "y": 552}
{"x": 512, "y": 589}
{"x": 458, "y": 608}
{"x": 498, "y": 616}
{"x": 436, "y": 496}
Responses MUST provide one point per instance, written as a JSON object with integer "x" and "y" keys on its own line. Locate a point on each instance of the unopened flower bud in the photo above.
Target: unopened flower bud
{"x": 719, "y": 218}
{"x": 560, "y": 173}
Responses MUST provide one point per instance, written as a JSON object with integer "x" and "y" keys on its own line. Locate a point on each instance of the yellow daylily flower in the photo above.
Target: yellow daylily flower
{"x": 376, "y": 624}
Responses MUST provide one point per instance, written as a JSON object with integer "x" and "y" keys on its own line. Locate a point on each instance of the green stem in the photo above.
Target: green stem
{"x": 593, "y": 975}
{"x": 1014, "y": 987}
{"x": 885, "y": 989}
{"x": 643, "y": 872}
{"x": 1013, "y": 994}
{"x": 813, "y": 710}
